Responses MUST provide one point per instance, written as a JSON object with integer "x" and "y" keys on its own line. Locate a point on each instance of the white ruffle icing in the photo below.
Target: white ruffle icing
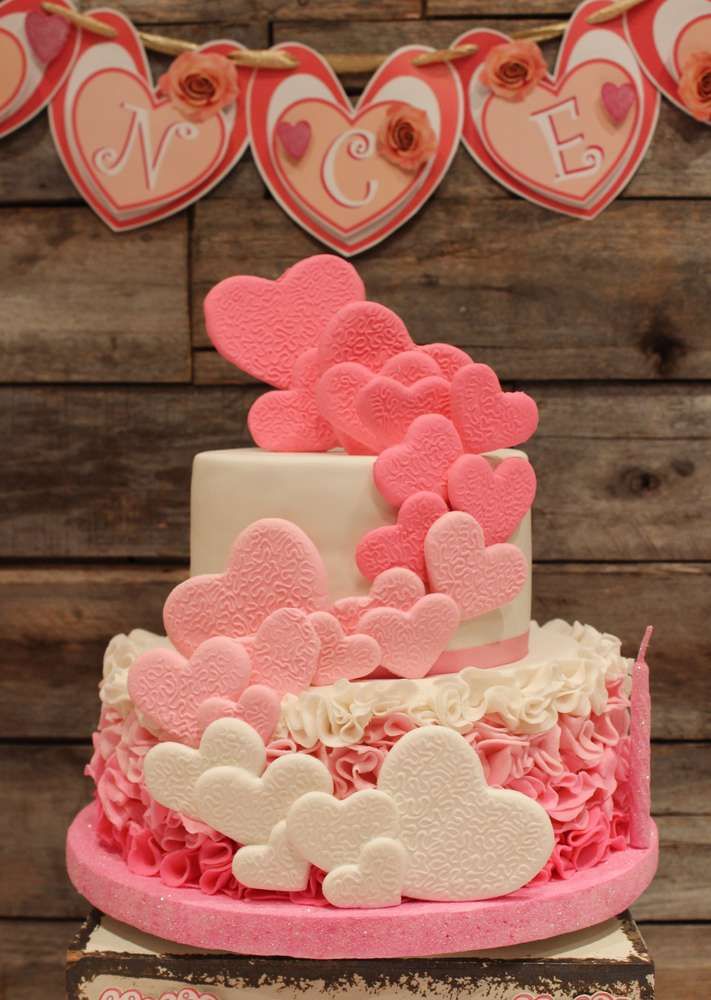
{"x": 120, "y": 653}
{"x": 566, "y": 671}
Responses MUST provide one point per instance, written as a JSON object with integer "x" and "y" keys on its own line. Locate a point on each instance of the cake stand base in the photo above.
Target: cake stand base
{"x": 190, "y": 917}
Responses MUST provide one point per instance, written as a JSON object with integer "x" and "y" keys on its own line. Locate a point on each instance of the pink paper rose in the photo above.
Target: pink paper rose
{"x": 199, "y": 84}
{"x": 695, "y": 85}
{"x": 513, "y": 69}
{"x": 406, "y": 137}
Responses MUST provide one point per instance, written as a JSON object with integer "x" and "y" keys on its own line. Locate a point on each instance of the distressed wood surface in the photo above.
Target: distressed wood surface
{"x": 96, "y": 473}
{"x": 641, "y": 311}
{"x": 35, "y": 883}
{"x": 56, "y": 621}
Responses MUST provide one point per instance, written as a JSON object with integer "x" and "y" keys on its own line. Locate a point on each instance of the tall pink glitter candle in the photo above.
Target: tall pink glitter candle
{"x": 640, "y": 749}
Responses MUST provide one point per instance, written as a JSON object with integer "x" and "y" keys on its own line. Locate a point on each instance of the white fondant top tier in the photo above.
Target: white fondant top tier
{"x": 331, "y": 497}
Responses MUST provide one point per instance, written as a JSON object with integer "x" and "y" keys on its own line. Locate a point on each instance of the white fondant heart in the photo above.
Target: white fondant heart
{"x": 376, "y": 880}
{"x": 464, "y": 840}
{"x": 171, "y": 770}
{"x": 332, "y": 832}
{"x": 247, "y": 808}
{"x": 275, "y": 866}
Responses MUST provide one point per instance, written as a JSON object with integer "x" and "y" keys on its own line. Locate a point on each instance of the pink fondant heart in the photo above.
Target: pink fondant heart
{"x": 336, "y": 395}
{"x": 421, "y": 462}
{"x": 289, "y": 419}
{"x": 285, "y": 651}
{"x": 449, "y": 358}
{"x": 264, "y": 326}
{"x": 272, "y": 565}
{"x": 341, "y": 655}
{"x": 258, "y": 705}
{"x": 401, "y": 544}
{"x": 47, "y": 34}
{"x": 617, "y": 100}
{"x": 395, "y": 588}
{"x": 409, "y": 367}
{"x": 411, "y": 641}
{"x": 294, "y": 137}
{"x": 477, "y": 578}
{"x": 365, "y": 332}
{"x": 387, "y": 408}
{"x": 168, "y": 689}
{"x": 486, "y": 417}
{"x": 497, "y": 497}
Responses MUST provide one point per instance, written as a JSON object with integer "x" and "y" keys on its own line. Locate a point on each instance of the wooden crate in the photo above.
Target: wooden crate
{"x": 110, "y": 961}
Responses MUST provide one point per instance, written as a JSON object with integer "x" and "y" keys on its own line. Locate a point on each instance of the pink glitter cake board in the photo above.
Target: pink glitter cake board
{"x": 190, "y": 917}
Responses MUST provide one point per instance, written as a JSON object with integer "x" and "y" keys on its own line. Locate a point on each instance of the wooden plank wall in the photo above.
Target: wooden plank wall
{"x": 109, "y": 387}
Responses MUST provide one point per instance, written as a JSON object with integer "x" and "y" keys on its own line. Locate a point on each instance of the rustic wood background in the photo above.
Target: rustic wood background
{"x": 110, "y": 387}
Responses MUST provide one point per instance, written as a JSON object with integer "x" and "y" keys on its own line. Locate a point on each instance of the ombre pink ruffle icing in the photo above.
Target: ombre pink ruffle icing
{"x": 577, "y": 770}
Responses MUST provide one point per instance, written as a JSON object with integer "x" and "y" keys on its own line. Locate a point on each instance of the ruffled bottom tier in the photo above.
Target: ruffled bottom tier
{"x": 554, "y": 726}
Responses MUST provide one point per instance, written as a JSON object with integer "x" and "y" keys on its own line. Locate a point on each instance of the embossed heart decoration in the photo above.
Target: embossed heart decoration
{"x": 559, "y": 147}
{"x": 37, "y": 51}
{"x": 338, "y": 185}
{"x": 495, "y": 496}
{"x": 463, "y": 839}
{"x": 664, "y": 34}
{"x": 272, "y": 566}
{"x": 130, "y": 153}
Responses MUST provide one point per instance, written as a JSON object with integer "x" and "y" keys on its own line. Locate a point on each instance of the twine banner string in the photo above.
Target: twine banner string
{"x": 341, "y": 63}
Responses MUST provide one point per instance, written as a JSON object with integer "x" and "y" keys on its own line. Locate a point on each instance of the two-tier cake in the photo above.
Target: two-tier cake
{"x": 352, "y": 709}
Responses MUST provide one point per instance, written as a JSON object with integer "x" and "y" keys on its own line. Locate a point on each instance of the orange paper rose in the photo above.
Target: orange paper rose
{"x": 695, "y": 85}
{"x": 199, "y": 84}
{"x": 406, "y": 137}
{"x": 513, "y": 69}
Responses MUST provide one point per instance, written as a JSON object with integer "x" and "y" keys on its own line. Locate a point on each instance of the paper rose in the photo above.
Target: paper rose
{"x": 695, "y": 85}
{"x": 406, "y": 137}
{"x": 513, "y": 69}
{"x": 200, "y": 84}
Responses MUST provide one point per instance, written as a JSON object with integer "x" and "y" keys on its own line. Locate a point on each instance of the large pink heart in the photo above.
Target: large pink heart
{"x": 495, "y": 496}
{"x": 272, "y": 565}
{"x": 169, "y": 690}
{"x": 132, "y": 156}
{"x": 477, "y": 578}
{"x": 341, "y": 189}
{"x": 363, "y": 332}
{"x": 33, "y": 63}
{"x": 289, "y": 419}
{"x": 663, "y": 33}
{"x": 558, "y": 147}
{"x": 401, "y": 544}
{"x": 486, "y": 417}
{"x": 336, "y": 394}
{"x": 265, "y": 326}
{"x": 387, "y": 408}
{"x": 341, "y": 655}
{"x": 420, "y": 462}
{"x": 411, "y": 641}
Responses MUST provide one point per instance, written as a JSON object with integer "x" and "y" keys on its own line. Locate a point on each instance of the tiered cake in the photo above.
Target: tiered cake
{"x": 352, "y": 708}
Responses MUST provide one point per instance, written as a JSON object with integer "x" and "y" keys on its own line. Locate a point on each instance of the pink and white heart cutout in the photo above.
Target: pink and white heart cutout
{"x": 575, "y": 141}
{"x": 319, "y": 155}
{"x": 130, "y": 153}
{"x": 36, "y": 53}
{"x": 663, "y": 34}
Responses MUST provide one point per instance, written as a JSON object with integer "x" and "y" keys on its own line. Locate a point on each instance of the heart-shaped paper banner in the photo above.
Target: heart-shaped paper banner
{"x": 36, "y": 52}
{"x": 664, "y": 35}
{"x": 130, "y": 153}
{"x": 322, "y": 159}
{"x": 567, "y": 145}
